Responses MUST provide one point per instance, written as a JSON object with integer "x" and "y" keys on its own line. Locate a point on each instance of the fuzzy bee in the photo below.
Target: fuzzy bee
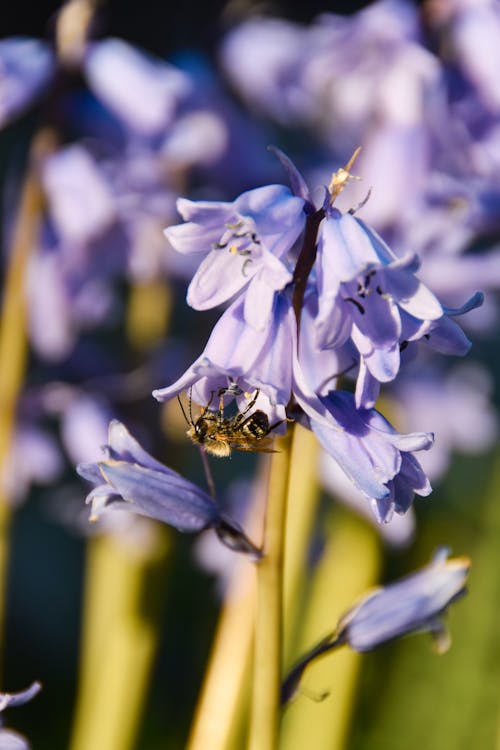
{"x": 219, "y": 435}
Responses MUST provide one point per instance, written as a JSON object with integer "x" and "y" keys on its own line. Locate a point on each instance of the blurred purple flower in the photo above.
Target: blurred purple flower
{"x": 81, "y": 203}
{"x": 141, "y": 90}
{"x": 472, "y": 31}
{"x": 26, "y": 67}
{"x": 34, "y": 458}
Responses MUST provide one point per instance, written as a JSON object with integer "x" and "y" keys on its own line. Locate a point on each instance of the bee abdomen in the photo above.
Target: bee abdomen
{"x": 257, "y": 424}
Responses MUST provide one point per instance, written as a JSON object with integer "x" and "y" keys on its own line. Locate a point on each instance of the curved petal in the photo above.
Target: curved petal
{"x": 192, "y": 238}
{"x": 218, "y": 278}
{"x": 151, "y": 493}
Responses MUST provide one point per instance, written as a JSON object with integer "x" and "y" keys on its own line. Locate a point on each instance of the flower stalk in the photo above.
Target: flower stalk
{"x": 265, "y": 714}
{"x": 13, "y": 325}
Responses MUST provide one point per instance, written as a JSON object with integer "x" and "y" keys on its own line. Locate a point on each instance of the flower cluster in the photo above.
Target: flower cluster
{"x": 300, "y": 316}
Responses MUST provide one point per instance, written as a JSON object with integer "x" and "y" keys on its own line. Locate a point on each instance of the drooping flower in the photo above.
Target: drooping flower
{"x": 378, "y": 460}
{"x": 455, "y": 404}
{"x": 369, "y": 295}
{"x": 245, "y": 243}
{"x": 410, "y": 605}
{"x": 240, "y": 356}
{"x": 130, "y": 479}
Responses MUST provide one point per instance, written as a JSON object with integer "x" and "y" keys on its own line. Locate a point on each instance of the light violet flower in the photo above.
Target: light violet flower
{"x": 245, "y": 243}
{"x": 80, "y": 201}
{"x": 10, "y": 740}
{"x": 399, "y": 533}
{"x": 455, "y": 404}
{"x": 26, "y": 67}
{"x": 34, "y": 459}
{"x": 413, "y": 604}
{"x": 142, "y": 91}
{"x": 237, "y": 355}
{"x": 129, "y": 478}
{"x": 472, "y": 35}
{"x": 378, "y": 460}
{"x": 368, "y": 294}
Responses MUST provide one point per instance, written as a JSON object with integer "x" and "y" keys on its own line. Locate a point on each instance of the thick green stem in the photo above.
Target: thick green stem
{"x": 123, "y": 591}
{"x": 223, "y": 703}
{"x": 13, "y": 338}
{"x": 349, "y": 566}
{"x": 121, "y": 612}
{"x": 264, "y": 723}
{"x": 303, "y": 501}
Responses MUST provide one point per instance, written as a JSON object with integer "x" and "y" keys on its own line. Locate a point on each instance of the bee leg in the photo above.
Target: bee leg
{"x": 206, "y": 408}
{"x": 276, "y": 424}
{"x": 220, "y": 411}
{"x": 240, "y": 418}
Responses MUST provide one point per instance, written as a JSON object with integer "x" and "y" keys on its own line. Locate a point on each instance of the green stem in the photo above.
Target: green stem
{"x": 13, "y": 338}
{"x": 123, "y": 591}
{"x": 265, "y": 715}
{"x": 121, "y": 607}
{"x": 349, "y": 566}
{"x": 301, "y": 512}
{"x": 223, "y": 703}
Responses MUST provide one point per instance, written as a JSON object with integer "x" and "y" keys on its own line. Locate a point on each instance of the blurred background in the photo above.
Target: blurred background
{"x": 99, "y": 138}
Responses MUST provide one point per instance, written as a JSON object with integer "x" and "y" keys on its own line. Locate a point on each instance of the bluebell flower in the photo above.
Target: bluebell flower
{"x": 128, "y": 478}
{"x": 412, "y": 604}
{"x": 245, "y": 243}
{"x": 369, "y": 295}
{"x": 377, "y": 459}
{"x": 399, "y": 533}
{"x": 26, "y": 68}
{"x": 10, "y": 740}
{"x": 81, "y": 202}
{"x": 142, "y": 91}
{"x": 455, "y": 404}
{"x": 243, "y": 359}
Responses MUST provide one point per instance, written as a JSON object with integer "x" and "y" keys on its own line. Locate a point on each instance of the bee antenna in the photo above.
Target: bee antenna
{"x": 190, "y": 404}
{"x": 182, "y": 410}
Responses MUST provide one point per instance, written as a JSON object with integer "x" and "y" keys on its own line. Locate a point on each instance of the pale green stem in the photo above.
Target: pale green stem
{"x": 265, "y": 714}
{"x": 119, "y": 636}
{"x": 303, "y": 499}
{"x": 224, "y": 697}
{"x": 13, "y": 338}
{"x": 349, "y": 566}
{"x": 123, "y": 590}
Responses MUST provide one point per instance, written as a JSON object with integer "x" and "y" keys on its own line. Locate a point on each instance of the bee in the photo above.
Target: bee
{"x": 219, "y": 435}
